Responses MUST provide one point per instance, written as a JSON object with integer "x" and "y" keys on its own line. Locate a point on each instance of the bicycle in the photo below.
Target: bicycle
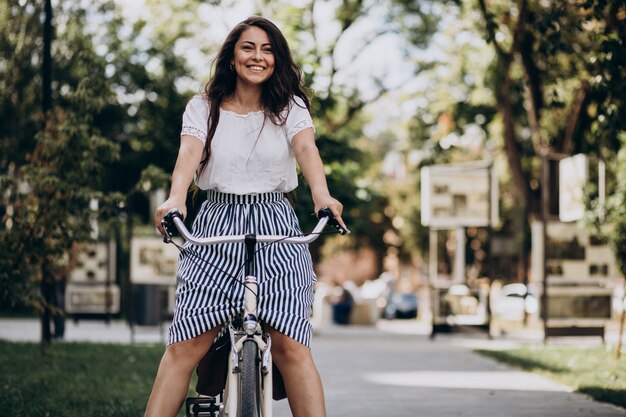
{"x": 248, "y": 390}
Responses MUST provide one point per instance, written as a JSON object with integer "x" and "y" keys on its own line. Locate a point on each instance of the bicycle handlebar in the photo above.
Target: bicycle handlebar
{"x": 173, "y": 220}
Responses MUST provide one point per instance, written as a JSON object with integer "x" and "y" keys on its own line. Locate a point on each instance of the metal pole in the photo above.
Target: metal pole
{"x": 490, "y": 226}
{"x": 544, "y": 218}
{"x": 432, "y": 279}
{"x": 459, "y": 256}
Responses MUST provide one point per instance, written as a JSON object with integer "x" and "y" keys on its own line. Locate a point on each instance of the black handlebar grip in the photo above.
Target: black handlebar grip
{"x": 325, "y": 212}
{"x": 169, "y": 227}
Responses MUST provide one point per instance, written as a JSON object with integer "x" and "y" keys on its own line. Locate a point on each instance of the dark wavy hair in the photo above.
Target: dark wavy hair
{"x": 277, "y": 91}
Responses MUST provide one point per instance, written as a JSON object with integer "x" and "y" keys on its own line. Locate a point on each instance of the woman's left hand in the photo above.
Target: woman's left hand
{"x": 333, "y": 205}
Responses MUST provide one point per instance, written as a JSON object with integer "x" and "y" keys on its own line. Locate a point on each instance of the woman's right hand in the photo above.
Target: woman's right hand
{"x": 161, "y": 211}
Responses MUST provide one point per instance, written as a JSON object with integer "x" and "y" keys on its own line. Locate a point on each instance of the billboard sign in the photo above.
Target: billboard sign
{"x": 459, "y": 195}
{"x": 575, "y": 172}
{"x": 572, "y": 178}
{"x": 152, "y": 261}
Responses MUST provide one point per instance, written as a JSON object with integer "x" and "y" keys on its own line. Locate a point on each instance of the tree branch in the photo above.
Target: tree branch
{"x": 353, "y": 108}
{"x": 523, "y": 44}
{"x": 490, "y": 27}
{"x": 346, "y": 22}
{"x": 573, "y": 118}
{"x": 313, "y": 25}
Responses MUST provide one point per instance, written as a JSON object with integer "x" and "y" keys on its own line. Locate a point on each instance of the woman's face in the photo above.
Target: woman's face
{"x": 253, "y": 58}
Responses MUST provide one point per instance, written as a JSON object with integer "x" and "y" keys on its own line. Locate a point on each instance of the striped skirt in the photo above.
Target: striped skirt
{"x": 209, "y": 280}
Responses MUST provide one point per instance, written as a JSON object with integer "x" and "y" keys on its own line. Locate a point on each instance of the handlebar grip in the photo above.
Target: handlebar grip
{"x": 325, "y": 212}
{"x": 168, "y": 224}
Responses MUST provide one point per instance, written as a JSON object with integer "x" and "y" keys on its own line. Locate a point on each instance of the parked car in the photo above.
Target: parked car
{"x": 401, "y": 306}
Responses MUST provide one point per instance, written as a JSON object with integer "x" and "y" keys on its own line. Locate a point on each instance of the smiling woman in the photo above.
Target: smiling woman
{"x": 241, "y": 141}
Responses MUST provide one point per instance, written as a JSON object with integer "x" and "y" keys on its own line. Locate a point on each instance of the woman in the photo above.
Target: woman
{"x": 241, "y": 141}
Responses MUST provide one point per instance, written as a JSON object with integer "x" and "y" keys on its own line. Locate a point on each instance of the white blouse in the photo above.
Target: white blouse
{"x": 247, "y": 157}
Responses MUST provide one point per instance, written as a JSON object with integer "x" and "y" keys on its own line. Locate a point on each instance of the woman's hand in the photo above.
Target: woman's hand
{"x": 333, "y": 205}
{"x": 161, "y": 211}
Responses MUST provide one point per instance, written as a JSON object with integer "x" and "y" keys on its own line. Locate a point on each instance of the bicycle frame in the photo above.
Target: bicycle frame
{"x": 231, "y": 392}
{"x": 252, "y": 330}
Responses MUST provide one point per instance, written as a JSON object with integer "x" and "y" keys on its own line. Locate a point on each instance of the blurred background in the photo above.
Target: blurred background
{"x": 479, "y": 149}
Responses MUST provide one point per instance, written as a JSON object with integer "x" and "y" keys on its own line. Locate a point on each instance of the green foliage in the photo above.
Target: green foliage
{"x": 567, "y": 66}
{"x": 49, "y": 200}
{"x": 145, "y": 114}
{"x": 616, "y": 208}
{"x": 417, "y": 20}
{"x": 152, "y": 178}
{"x": 20, "y": 97}
{"x": 56, "y": 162}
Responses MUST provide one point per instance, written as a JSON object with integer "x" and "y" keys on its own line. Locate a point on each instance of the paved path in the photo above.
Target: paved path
{"x": 371, "y": 372}
{"x": 394, "y": 370}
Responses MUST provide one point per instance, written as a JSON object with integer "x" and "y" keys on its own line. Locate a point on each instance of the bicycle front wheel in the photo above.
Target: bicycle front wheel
{"x": 249, "y": 392}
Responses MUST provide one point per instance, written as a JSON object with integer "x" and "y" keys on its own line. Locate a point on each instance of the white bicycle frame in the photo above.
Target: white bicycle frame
{"x": 251, "y": 327}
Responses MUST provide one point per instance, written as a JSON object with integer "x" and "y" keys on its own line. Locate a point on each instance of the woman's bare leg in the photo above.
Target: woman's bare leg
{"x": 172, "y": 380}
{"x": 302, "y": 381}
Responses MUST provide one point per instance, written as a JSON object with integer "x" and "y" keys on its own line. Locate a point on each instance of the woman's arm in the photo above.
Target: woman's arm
{"x": 308, "y": 158}
{"x": 189, "y": 156}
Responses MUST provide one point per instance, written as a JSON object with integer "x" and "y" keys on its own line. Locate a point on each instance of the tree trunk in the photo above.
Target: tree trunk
{"x": 511, "y": 146}
{"x": 47, "y": 292}
{"x": 46, "y": 67}
{"x": 47, "y": 280}
{"x": 519, "y": 177}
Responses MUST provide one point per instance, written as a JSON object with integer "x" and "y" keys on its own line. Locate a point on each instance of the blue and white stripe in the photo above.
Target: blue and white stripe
{"x": 210, "y": 278}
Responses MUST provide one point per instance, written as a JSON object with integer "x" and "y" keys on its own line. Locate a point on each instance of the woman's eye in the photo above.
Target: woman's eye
{"x": 267, "y": 50}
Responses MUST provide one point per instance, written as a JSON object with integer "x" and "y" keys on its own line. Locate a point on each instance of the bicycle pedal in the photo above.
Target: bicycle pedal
{"x": 201, "y": 407}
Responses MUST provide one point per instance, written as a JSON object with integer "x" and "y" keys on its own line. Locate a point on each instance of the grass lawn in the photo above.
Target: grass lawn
{"x": 76, "y": 379}
{"x": 593, "y": 371}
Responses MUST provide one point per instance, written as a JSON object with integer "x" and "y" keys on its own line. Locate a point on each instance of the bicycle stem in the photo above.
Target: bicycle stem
{"x": 250, "y": 305}
{"x": 250, "y": 287}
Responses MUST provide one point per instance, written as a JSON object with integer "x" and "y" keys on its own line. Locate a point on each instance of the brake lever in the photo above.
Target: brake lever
{"x": 169, "y": 228}
{"x": 325, "y": 212}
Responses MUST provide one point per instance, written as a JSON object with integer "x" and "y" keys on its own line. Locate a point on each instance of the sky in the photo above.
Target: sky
{"x": 381, "y": 57}
{"x": 385, "y": 58}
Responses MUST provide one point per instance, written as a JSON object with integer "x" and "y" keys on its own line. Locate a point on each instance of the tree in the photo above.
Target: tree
{"x": 452, "y": 107}
{"x": 49, "y": 177}
{"x": 49, "y": 205}
{"x": 553, "y": 85}
{"x": 559, "y": 70}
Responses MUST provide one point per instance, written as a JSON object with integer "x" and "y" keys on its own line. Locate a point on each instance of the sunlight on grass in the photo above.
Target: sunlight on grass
{"x": 593, "y": 371}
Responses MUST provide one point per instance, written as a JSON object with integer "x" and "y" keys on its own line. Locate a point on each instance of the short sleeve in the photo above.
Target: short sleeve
{"x": 195, "y": 118}
{"x": 298, "y": 118}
